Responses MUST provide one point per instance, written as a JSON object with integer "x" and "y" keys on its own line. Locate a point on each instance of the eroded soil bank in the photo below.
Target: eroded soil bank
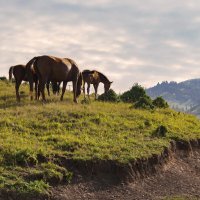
{"x": 178, "y": 174}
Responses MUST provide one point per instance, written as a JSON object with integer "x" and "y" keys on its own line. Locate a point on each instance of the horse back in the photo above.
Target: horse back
{"x": 54, "y": 68}
{"x": 90, "y": 76}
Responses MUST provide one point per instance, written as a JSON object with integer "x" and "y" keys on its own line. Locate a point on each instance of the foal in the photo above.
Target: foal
{"x": 94, "y": 77}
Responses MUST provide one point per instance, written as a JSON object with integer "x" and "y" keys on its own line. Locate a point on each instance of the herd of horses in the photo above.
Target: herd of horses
{"x": 42, "y": 70}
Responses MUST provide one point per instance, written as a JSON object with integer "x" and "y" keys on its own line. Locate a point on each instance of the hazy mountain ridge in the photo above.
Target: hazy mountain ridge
{"x": 183, "y": 96}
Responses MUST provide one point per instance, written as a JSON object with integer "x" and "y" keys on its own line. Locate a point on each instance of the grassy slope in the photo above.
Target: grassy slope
{"x": 33, "y": 135}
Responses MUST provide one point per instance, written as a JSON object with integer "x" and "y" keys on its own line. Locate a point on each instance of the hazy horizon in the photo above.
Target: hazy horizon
{"x": 129, "y": 41}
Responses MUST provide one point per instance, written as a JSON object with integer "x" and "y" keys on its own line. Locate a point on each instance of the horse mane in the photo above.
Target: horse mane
{"x": 102, "y": 76}
{"x": 87, "y": 71}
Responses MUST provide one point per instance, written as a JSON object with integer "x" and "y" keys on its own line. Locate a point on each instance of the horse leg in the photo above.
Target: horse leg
{"x": 95, "y": 89}
{"x": 36, "y": 90}
{"x": 88, "y": 90}
{"x": 63, "y": 90}
{"x": 17, "y": 84}
{"x": 84, "y": 89}
{"x": 58, "y": 92}
{"x": 31, "y": 88}
{"x": 47, "y": 86}
{"x": 74, "y": 90}
{"x": 41, "y": 89}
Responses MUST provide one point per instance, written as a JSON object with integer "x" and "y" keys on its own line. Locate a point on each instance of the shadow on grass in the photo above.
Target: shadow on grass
{"x": 9, "y": 101}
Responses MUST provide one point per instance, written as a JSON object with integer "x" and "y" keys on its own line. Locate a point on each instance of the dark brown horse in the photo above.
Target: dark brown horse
{"x": 94, "y": 77}
{"x": 19, "y": 73}
{"x": 56, "y": 70}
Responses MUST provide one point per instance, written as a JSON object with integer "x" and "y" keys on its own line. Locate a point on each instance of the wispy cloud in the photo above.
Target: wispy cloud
{"x": 130, "y": 41}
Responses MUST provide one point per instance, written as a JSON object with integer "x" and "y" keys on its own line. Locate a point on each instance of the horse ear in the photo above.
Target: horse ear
{"x": 111, "y": 82}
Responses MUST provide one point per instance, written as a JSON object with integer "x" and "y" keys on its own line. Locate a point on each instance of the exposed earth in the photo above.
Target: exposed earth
{"x": 180, "y": 177}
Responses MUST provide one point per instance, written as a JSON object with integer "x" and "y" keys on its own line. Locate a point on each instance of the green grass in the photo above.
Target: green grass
{"x": 34, "y": 135}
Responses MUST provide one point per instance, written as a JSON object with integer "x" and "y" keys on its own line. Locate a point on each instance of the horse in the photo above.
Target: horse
{"x": 94, "y": 77}
{"x": 19, "y": 73}
{"x": 57, "y": 70}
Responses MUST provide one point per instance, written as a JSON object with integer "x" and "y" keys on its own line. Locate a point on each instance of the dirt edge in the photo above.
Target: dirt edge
{"x": 137, "y": 169}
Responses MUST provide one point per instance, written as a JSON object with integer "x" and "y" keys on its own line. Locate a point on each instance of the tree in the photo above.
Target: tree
{"x": 109, "y": 96}
{"x": 144, "y": 102}
{"x": 133, "y": 94}
{"x": 160, "y": 103}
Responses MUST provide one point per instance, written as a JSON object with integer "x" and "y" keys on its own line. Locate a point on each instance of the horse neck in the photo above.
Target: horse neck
{"x": 103, "y": 78}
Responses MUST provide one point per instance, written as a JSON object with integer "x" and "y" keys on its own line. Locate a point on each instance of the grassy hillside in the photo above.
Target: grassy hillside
{"x": 34, "y": 136}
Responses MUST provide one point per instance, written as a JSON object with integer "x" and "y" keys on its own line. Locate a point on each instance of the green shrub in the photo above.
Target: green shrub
{"x": 161, "y": 131}
{"x": 109, "y": 96}
{"x": 3, "y": 78}
{"x": 160, "y": 103}
{"x": 144, "y": 102}
{"x": 134, "y": 94}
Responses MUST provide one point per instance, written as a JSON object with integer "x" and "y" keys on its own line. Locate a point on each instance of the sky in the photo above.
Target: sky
{"x": 130, "y": 41}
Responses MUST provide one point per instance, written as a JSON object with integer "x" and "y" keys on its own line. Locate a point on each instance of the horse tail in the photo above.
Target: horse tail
{"x": 80, "y": 77}
{"x": 79, "y": 84}
{"x": 30, "y": 75}
{"x": 10, "y": 73}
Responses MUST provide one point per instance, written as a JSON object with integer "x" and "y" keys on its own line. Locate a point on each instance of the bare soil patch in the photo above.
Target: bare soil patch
{"x": 180, "y": 176}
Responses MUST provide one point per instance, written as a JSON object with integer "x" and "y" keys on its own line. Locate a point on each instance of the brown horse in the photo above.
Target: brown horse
{"x": 19, "y": 73}
{"x": 57, "y": 70}
{"x": 94, "y": 77}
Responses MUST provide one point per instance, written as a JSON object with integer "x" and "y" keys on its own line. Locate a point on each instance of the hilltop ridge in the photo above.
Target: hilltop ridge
{"x": 183, "y": 96}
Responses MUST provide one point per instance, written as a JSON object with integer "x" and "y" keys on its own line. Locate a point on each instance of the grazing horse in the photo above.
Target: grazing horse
{"x": 56, "y": 70}
{"x": 19, "y": 73}
{"x": 94, "y": 77}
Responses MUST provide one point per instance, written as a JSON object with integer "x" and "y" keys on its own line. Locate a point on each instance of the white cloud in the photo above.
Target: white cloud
{"x": 130, "y": 41}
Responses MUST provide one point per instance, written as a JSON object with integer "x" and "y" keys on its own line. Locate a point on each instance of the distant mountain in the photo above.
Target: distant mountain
{"x": 183, "y": 96}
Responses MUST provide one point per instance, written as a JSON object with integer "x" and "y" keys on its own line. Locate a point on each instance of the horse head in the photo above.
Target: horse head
{"x": 107, "y": 86}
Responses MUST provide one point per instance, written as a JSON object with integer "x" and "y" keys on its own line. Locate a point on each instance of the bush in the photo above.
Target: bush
{"x": 144, "y": 102}
{"x": 160, "y": 103}
{"x": 3, "y": 78}
{"x": 134, "y": 94}
{"x": 161, "y": 131}
{"x": 109, "y": 96}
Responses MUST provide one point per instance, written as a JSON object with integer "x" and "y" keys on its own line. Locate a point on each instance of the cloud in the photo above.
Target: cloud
{"x": 130, "y": 41}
